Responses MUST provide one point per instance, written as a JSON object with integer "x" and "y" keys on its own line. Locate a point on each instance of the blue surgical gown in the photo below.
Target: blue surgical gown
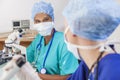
{"x": 59, "y": 60}
{"x": 108, "y": 69}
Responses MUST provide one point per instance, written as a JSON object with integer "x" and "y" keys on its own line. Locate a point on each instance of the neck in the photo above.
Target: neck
{"x": 48, "y": 38}
{"x": 90, "y": 56}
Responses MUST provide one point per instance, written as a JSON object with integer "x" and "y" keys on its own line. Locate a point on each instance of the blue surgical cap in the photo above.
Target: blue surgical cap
{"x": 43, "y": 7}
{"x": 92, "y": 19}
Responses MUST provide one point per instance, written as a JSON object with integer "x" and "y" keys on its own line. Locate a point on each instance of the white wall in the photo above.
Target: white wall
{"x": 116, "y": 36}
{"x": 21, "y": 9}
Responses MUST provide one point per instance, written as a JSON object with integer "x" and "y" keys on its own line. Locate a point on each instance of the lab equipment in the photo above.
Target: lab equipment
{"x": 23, "y": 24}
{"x": 19, "y": 66}
{"x": 10, "y": 50}
{"x": 43, "y": 7}
{"x": 4, "y": 58}
{"x": 16, "y": 24}
{"x": 13, "y": 38}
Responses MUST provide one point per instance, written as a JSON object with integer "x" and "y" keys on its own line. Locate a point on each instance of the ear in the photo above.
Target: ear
{"x": 74, "y": 35}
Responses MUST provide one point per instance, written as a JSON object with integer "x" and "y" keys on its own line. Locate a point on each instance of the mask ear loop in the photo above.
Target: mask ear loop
{"x": 66, "y": 30}
{"x": 79, "y": 56}
{"x": 112, "y": 46}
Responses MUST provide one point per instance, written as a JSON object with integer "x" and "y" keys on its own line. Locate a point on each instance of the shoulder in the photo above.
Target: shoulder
{"x": 37, "y": 36}
{"x": 59, "y": 38}
{"x": 80, "y": 73}
{"x": 110, "y": 59}
{"x": 110, "y": 64}
{"x": 59, "y": 35}
{"x": 82, "y": 68}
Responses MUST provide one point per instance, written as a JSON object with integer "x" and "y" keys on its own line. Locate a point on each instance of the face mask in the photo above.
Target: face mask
{"x": 73, "y": 48}
{"x": 44, "y": 28}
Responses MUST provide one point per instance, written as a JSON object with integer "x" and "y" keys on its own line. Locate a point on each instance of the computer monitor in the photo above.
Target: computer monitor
{"x": 16, "y": 24}
{"x": 25, "y": 24}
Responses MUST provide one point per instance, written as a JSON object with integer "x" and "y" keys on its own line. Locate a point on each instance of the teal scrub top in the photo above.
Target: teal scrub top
{"x": 59, "y": 60}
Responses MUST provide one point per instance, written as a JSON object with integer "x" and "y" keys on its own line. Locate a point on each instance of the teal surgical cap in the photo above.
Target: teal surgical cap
{"x": 43, "y": 7}
{"x": 92, "y": 19}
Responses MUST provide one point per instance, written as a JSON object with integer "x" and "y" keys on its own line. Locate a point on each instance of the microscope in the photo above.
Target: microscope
{"x": 9, "y": 50}
{"x": 13, "y": 55}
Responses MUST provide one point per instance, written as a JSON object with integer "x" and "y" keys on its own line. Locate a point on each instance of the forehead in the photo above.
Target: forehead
{"x": 42, "y": 16}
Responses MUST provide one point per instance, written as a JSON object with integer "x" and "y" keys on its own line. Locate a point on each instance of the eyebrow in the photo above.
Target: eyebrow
{"x": 43, "y": 18}
{"x": 46, "y": 16}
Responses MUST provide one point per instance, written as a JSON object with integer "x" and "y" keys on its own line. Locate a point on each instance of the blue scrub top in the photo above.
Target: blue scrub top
{"x": 108, "y": 69}
{"x": 59, "y": 60}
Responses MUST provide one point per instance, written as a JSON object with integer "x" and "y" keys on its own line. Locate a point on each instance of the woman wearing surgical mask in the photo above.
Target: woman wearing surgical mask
{"x": 48, "y": 52}
{"x": 90, "y": 23}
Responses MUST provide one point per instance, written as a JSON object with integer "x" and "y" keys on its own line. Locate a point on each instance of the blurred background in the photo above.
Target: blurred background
{"x": 14, "y": 10}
